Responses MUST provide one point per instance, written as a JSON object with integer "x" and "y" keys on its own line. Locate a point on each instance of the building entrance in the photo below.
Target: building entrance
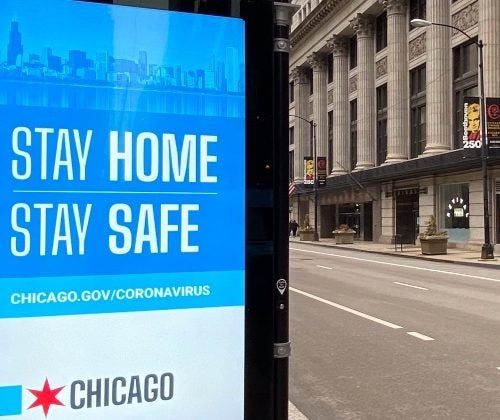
{"x": 349, "y": 214}
{"x": 407, "y": 215}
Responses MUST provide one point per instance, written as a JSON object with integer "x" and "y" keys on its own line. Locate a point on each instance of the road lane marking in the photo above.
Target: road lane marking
{"x": 294, "y": 413}
{"x": 398, "y": 265}
{"x": 421, "y": 336}
{"x": 325, "y": 267}
{"x": 409, "y": 285}
{"x": 346, "y": 309}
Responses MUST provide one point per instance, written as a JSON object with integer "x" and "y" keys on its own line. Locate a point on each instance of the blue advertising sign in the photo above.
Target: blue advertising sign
{"x": 122, "y": 212}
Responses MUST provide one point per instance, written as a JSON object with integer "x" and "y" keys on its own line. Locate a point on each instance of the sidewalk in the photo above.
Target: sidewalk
{"x": 454, "y": 255}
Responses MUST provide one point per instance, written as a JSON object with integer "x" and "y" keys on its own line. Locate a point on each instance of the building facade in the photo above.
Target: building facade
{"x": 383, "y": 101}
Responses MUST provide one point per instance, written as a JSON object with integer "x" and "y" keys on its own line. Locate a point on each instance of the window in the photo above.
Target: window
{"x": 417, "y": 81}
{"x": 291, "y": 132}
{"x": 330, "y": 141}
{"x": 454, "y": 211}
{"x": 465, "y": 83}
{"x": 465, "y": 60}
{"x": 381, "y": 32}
{"x": 418, "y": 111}
{"x": 291, "y": 92}
{"x": 312, "y": 135}
{"x": 353, "y": 52}
{"x": 354, "y": 132}
{"x": 329, "y": 67}
{"x": 418, "y": 127}
{"x": 291, "y": 157}
{"x": 381, "y": 124}
{"x": 417, "y": 10}
{"x": 310, "y": 77}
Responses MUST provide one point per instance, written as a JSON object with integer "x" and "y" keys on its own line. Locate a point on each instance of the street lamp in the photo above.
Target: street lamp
{"x": 315, "y": 185}
{"x": 487, "y": 248}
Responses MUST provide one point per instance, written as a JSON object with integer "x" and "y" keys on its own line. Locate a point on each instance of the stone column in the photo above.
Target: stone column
{"x": 489, "y": 33}
{"x": 397, "y": 81}
{"x": 318, "y": 64}
{"x": 301, "y": 130}
{"x": 363, "y": 26}
{"x": 439, "y": 134}
{"x": 339, "y": 47}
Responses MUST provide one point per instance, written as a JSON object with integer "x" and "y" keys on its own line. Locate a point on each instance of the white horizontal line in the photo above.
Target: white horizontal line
{"x": 409, "y": 285}
{"x": 345, "y": 308}
{"x": 326, "y": 268}
{"x": 112, "y": 192}
{"x": 294, "y": 413}
{"x": 421, "y": 336}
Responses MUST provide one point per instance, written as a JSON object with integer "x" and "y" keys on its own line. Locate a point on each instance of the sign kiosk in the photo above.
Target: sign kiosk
{"x": 122, "y": 212}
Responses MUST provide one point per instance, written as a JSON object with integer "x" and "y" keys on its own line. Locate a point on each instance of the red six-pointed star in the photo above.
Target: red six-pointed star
{"x": 46, "y": 397}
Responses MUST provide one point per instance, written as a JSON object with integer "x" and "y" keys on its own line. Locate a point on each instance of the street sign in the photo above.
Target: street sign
{"x": 122, "y": 223}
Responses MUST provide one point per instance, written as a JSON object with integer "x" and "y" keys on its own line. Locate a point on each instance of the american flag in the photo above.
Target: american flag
{"x": 291, "y": 188}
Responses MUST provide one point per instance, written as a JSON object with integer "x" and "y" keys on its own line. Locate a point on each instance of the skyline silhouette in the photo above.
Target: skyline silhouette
{"x": 108, "y": 61}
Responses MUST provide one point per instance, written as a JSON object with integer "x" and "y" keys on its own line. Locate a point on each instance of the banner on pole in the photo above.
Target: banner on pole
{"x": 471, "y": 138}
{"x": 493, "y": 122}
{"x": 321, "y": 171}
{"x": 308, "y": 170}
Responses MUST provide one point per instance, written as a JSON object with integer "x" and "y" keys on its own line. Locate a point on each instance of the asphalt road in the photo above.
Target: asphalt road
{"x": 381, "y": 337}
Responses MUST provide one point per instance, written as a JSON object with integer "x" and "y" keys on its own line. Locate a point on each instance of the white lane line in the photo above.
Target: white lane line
{"x": 421, "y": 336}
{"x": 409, "y": 285}
{"x": 398, "y": 265}
{"x": 325, "y": 267}
{"x": 294, "y": 413}
{"x": 345, "y": 308}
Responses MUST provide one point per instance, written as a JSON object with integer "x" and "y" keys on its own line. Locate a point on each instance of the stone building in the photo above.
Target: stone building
{"x": 383, "y": 102}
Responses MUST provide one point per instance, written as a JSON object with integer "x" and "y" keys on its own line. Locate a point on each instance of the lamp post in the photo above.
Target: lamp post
{"x": 315, "y": 185}
{"x": 487, "y": 248}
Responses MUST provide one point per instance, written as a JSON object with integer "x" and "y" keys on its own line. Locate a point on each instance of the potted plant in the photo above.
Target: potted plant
{"x": 344, "y": 234}
{"x": 433, "y": 241}
{"x": 307, "y": 232}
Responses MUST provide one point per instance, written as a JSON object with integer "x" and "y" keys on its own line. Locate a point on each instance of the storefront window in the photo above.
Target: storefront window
{"x": 454, "y": 211}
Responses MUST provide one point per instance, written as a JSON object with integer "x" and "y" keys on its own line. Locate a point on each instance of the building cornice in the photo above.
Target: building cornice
{"x": 314, "y": 19}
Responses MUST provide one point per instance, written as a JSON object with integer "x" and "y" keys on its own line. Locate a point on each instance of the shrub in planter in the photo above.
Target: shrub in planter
{"x": 307, "y": 232}
{"x": 433, "y": 241}
{"x": 344, "y": 234}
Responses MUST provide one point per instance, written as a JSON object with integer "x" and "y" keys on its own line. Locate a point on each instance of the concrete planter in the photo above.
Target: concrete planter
{"x": 434, "y": 246}
{"x": 343, "y": 237}
{"x": 308, "y": 235}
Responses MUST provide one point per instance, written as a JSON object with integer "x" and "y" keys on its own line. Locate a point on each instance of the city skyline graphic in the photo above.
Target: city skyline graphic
{"x": 121, "y": 46}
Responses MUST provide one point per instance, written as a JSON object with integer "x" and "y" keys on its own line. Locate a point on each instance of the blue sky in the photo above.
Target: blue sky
{"x": 168, "y": 37}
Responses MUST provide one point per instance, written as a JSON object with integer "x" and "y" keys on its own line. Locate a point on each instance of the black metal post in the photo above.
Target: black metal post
{"x": 315, "y": 185}
{"x": 487, "y": 248}
{"x": 315, "y": 159}
{"x": 283, "y": 13}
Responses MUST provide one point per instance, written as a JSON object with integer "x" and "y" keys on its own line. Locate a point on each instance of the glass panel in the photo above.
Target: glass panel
{"x": 353, "y": 53}
{"x": 470, "y": 58}
{"x": 329, "y": 66}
